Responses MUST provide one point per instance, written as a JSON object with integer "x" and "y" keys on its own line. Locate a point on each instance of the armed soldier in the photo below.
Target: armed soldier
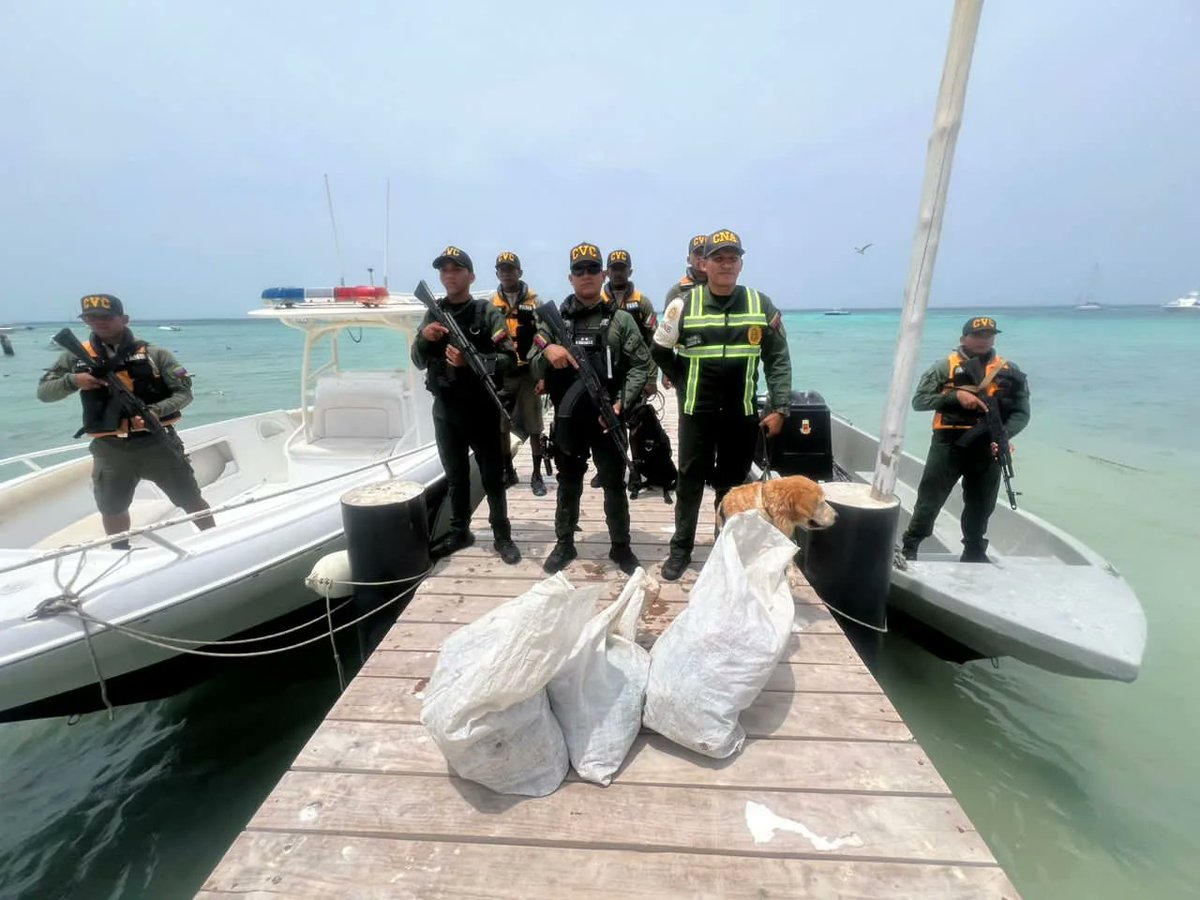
{"x": 125, "y": 448}
{"x": 710, "y": 343}
{"x": 959, "y": 389}
{"x": 617, "y": 353}
{"x": 518, "y": 305}
{"x": 465, "y": 418}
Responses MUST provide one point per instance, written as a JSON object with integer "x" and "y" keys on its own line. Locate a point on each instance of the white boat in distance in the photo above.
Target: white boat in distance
{"x": 274, "y": 481}
{"x": 1045, "y": 599}
{"x": 1188, "y": 301}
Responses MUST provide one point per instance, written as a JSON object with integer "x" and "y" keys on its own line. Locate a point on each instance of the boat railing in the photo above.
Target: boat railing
{"x": 30, "y": 460}
{"x": 151, "y": 532}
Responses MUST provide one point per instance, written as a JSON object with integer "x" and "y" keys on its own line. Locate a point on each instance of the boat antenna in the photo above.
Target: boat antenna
{"x": 337, "y": 247}
{"x": 938, "y": 161}
{"x": 387, "y": 229}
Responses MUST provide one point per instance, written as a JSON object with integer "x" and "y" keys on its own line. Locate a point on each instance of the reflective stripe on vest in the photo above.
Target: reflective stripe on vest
{"x": 736, "y": 343}
{"x": 989, "y": 376}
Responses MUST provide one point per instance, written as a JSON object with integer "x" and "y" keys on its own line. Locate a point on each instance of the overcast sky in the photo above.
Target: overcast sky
{"x": 173, "y": 152}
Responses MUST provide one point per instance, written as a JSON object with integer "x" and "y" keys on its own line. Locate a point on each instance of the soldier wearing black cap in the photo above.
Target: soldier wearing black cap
{"x": 954, "y": 387}
{"x": 620, "y": 293}
{"x": 123, "y": 450}
{"x": 617, "y": 352}
{"x": 691, "y": 278}
{"x": 465, "y": 418}
{"x": 710, "y": 342}
{"x": 518, "y": 305}
{"x": 695, "y": 270}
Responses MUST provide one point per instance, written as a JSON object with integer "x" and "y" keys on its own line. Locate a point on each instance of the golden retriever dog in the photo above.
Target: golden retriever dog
{"x": 787, "y": 503}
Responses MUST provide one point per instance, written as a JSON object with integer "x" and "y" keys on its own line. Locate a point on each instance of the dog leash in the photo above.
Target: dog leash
{"x": 766, "y": 455}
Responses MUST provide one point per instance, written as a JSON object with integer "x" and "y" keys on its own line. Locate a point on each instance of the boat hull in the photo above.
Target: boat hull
{"x": 1045, "y": 598}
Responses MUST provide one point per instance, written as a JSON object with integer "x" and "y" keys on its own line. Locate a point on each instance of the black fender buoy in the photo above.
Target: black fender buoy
{"x": 849, "y": 564}
{"x": 387, "y": 541}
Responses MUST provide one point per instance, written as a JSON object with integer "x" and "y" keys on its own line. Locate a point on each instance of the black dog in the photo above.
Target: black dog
{"x": 650, "y": 449}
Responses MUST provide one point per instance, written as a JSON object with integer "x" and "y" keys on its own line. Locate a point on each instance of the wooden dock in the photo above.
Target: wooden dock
{"x": 831, "y": 796}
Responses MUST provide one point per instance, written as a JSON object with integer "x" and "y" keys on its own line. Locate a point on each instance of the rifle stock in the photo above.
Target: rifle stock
{"x": 459, "y": 341}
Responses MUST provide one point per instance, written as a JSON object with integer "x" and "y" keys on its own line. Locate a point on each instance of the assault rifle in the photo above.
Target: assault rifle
{"x": 129, "y": 402}
{"x": 459, "y": 341}
{"x": 552, "y": 318}
{"x": 996, "y": 434}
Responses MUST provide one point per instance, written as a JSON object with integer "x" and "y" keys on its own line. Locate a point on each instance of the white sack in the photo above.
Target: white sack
{"x": 486, "y": 704}
{"x": 715, "y": 658}
{"x": 598, "y": 693}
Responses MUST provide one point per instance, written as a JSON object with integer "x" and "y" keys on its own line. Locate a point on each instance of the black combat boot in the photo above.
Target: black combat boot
{"x": 560, "y": 557}
{"x": 509, "y": 552}
{"x": 451, "y": 543}
{"x": 624, "y": 557}
{"x": 675, "y": 564}
{"x": 974, "y": 552}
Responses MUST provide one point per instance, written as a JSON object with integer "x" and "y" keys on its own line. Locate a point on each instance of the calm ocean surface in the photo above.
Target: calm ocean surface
{"x": 1082, "y": 789}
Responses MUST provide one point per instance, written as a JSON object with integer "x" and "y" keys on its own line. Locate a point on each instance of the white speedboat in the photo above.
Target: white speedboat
{"x": 1188, "y": 301}
{"x": 1045, "y": 598}
{"x": 274, "y": 481}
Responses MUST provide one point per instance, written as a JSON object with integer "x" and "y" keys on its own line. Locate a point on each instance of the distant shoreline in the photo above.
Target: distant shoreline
{"x": 790, "y": 309}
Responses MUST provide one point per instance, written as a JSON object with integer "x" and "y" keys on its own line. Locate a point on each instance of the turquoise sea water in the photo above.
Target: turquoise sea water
{"x": 1082, "y": 789}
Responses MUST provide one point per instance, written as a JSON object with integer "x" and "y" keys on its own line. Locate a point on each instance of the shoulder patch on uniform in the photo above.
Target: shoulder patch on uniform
{"x": 651, "y": 321}
{"x": 179, "y": 371}
{"x": 776, "y": 322}
{"x": 499, "y": 335}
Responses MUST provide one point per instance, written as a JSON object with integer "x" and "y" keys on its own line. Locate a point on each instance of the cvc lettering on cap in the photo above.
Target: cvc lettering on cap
{"x": 96, "y": 302}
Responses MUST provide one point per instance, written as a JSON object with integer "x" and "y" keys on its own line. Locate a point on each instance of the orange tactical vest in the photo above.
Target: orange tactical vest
{"x": 960, "y": 420}
{"x": 140, "y": 375}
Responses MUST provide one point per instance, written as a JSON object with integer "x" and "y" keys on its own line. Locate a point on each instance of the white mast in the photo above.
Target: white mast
{"x": 387, "y": 229}
{"x": 337, "y": 247}
{"x": 946, "y": 122}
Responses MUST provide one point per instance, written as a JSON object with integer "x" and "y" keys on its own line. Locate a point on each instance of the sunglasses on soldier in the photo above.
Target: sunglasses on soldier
{"x": 586, "y": 269}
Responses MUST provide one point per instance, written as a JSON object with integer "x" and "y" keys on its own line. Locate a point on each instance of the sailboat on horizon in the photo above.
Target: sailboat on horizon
{"x": 1085, "y": 300}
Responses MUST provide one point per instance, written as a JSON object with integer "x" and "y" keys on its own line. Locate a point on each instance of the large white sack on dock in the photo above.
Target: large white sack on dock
{"x": 598, "y": 693}
{"x": 714, "y": 659}
{"x": 486, "y": 704}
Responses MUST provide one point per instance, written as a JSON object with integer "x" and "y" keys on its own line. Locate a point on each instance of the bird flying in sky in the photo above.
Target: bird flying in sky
{"x": 861, "y": 251}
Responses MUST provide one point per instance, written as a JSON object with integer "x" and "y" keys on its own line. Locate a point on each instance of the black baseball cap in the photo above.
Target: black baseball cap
{"x": 586, "y": 253}
{"x": 456, "y": 256}
{"x": 100, "y": 305}
{"x": 723, "y": 240}
{"x": 621, "y": 257}
{"x": 980, "y": 323}
{"x": 507, "y": 258}
{"x": 696, "y": 244}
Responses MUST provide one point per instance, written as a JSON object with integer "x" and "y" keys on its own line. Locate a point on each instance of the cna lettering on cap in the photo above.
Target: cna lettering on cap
{"x": 585, "y": 251}
{"x": 983, "y": 322}
{"x": 722, "y": 237}
{"x": 97, "y": 302}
